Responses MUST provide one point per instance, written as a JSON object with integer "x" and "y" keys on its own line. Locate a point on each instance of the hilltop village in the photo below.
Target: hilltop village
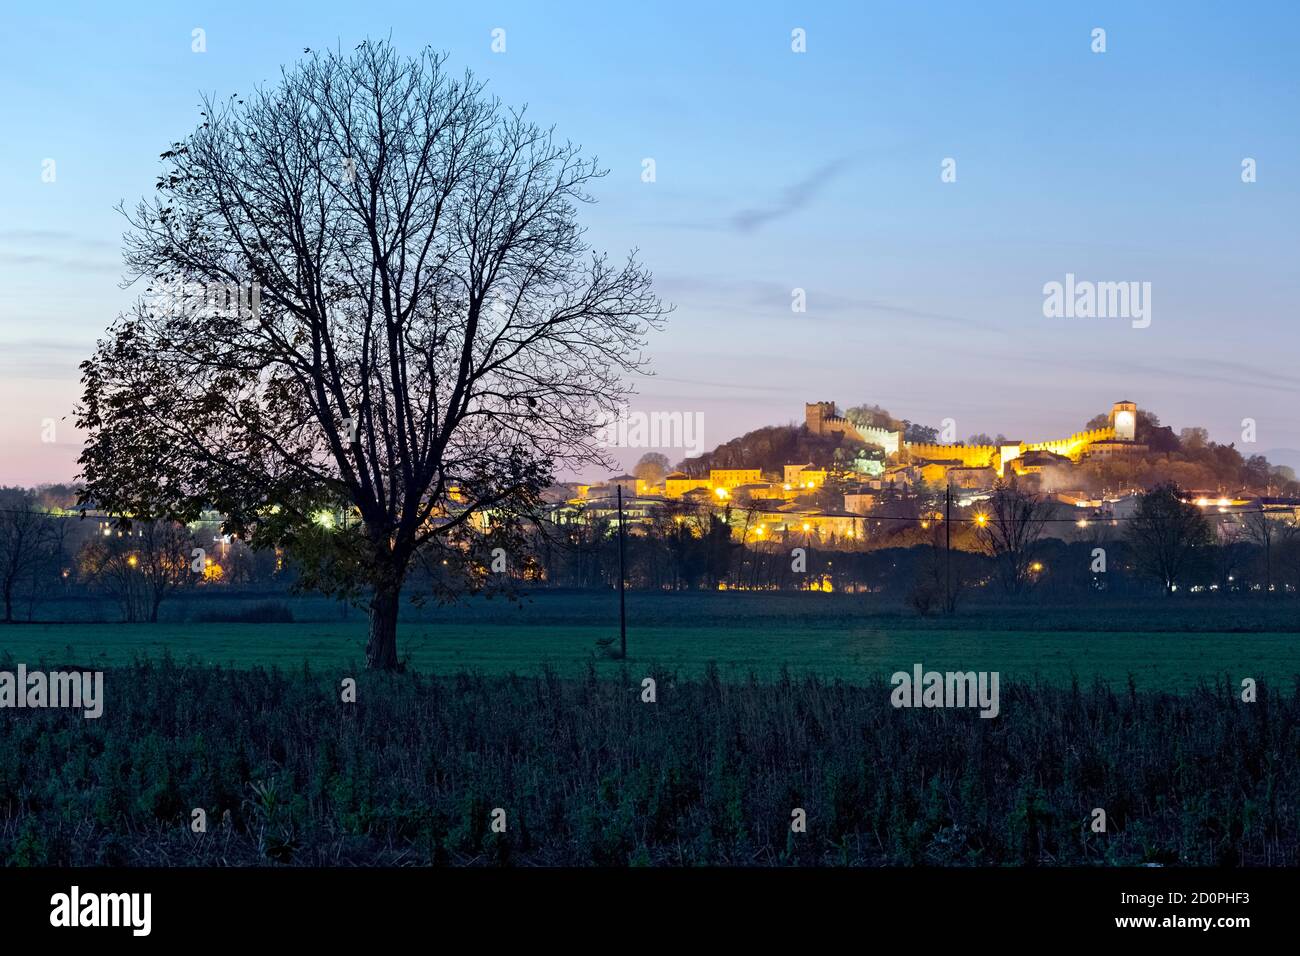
{"x": 877, "y": 473}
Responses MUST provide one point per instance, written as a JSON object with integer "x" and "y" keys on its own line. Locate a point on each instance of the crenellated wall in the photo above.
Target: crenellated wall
{"x": 1074, "y": 446}
{"x": 970, "y": 456}
{"x": 822, "y": 420}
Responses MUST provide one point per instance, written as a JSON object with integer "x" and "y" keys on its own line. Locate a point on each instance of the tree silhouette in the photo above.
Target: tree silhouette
{"x": 419, "y": 339}
{"x": 1165, "y": 532}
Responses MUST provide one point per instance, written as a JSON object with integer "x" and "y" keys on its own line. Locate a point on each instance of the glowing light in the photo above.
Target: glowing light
{"x": 787, "y": 487}
{"x": 1036, "y": 567}
{"x": 133, "y": 560}
{"x": 1083, "y": 522}
{"x": 807, "y": 526}
{"x": 981, "y": 519}
{"x": 324, "y": 519}
{"x": 721, "y": 492}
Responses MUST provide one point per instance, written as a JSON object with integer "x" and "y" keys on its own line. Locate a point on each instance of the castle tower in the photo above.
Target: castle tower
{"x": 1123, "y": 418}
{"x": 816, "y": 414}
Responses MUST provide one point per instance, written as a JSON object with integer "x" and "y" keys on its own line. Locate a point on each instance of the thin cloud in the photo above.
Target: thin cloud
{"x": 59, "y": 262}
{"x": 56, "y": 237}
{"x": 793, "y": 198}
{"x": 762, "y": 296}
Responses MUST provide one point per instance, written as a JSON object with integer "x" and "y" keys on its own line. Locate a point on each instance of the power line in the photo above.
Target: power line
{"x": 1091, "y": 519}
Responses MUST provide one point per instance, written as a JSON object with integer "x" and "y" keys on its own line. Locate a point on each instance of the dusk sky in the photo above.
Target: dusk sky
{"x": 775, "y": 170}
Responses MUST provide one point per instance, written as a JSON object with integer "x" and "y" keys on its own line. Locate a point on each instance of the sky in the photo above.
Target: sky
{"x": 774, "y": 171}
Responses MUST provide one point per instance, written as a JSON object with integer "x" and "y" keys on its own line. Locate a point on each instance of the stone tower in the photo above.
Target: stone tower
{"x": 816, "y": 415}
{"x": 1123, "y": 418}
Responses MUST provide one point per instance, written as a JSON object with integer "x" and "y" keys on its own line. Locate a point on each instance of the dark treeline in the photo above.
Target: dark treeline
{"x": 587, "y": 773}
{"x": 1009, "y": 546}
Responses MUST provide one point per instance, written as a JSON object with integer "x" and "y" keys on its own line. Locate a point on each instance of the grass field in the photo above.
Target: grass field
{"x": 504, "y": 710}
{"x": 854, "y": 651}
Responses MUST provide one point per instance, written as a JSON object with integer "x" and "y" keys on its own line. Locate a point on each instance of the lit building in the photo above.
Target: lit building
{"x": 729, "y": 478}
{"x": 679, "y": 483}
{"x": 859, "y": 502}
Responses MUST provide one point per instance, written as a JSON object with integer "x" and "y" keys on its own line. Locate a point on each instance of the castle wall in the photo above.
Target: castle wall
{"x": 970, "y": 456}
{"x": 821, "y": 419}
{"x": 1074, "y": 446}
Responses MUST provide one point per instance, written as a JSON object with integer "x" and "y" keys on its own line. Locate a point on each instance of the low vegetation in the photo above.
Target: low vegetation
{"x": 587, "y": 773}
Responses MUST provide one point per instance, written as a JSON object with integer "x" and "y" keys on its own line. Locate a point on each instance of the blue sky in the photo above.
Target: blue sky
{"x": 774, "y": 171}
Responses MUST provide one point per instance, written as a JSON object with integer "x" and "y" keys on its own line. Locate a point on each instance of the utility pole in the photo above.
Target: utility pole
{"x": 947, "y": 548}
{"x": 622, "y": 578}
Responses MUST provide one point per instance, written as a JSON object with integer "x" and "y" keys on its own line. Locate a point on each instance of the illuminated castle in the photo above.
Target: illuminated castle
{"x": 1116, "y": 438}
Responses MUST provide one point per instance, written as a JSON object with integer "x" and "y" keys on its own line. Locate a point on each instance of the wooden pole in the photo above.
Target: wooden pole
{"x": 622, "y": 579}
{"x": 947, "y": 549}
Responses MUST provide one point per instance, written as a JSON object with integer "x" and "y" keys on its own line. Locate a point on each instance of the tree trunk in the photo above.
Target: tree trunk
{"x": 381, "y": 647}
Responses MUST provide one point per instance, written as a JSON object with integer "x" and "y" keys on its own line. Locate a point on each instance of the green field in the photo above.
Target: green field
{"x": 1156, "y": 660}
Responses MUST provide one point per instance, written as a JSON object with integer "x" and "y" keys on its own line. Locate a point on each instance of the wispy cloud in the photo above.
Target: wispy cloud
{"x": 76, "y": 264}
{"x": 58, "y": 249}
{"x": 38, "y": 358}
{"x": 55, "y": 237}
{"x": 792, "y": 199}
{"x": 754, "y": 295}
{"x": 753, "y": 218}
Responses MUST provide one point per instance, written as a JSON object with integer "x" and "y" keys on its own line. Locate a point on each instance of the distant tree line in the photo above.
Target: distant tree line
{"x": 1004, "y": 546}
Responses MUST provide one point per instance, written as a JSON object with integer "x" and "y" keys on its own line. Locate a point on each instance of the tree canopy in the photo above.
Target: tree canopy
{"x": 380, "y": 307}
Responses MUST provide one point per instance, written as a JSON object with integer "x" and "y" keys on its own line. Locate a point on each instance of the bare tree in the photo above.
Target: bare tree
{"x": 25, "y": 535}
{"x": 140, "y": 566}
{"x": 105, "y": 565}
{"x": 1165, "y": 533}
{"x": 1288, "y": 556}
{"x": 1267, "y": 532}
{"x": 1226, "y": 554}
{"x": 431, "y": 338}
{"x": 1008, "y": 529}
